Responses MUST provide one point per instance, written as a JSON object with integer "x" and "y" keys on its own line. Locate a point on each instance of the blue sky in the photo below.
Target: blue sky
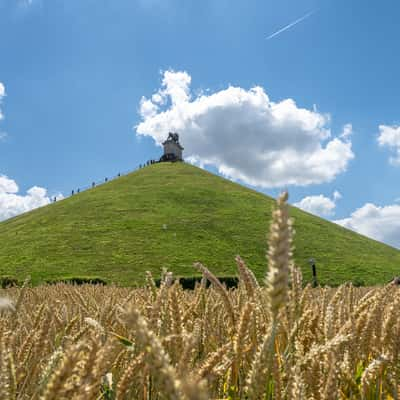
{"x": 74, "y": 73}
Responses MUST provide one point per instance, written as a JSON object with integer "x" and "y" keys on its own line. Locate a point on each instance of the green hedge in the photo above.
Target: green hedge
{"x": 78, "y": 280}
{"x": 9, "y": 281}
{"x": 189, "y": 282}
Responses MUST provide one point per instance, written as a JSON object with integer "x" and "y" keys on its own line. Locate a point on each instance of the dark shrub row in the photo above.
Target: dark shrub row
{"x": 78, "y": 280}
{"x": 189, "y": 282}
{"x": 9, "y": 281}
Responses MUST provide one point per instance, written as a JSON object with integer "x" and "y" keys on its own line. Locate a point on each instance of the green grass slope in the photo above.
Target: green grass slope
{"x": 171, "y": 215}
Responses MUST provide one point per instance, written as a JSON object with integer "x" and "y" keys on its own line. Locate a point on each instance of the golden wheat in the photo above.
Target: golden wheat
{"x": 281, "y": 341}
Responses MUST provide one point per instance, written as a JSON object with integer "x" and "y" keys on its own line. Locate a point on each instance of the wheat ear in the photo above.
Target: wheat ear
{"x": 279, "y": 256}
{"x": 220, "y": 288}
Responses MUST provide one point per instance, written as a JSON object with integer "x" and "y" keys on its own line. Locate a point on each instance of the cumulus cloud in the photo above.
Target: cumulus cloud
{"x": 8, "y": 185}
{"x": 379, "y": 223}
{"x": 246, "y": 135}
{"x": 320, "y": 204}
{"x": 389, "y": 136}
{"x": 12, "y": 203}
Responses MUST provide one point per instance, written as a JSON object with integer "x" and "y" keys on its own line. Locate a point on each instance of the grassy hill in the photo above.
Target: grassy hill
{"x": 171, "y": 215}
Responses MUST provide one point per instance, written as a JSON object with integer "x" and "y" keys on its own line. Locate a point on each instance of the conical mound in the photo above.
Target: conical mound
{"x": 171, "y": 215}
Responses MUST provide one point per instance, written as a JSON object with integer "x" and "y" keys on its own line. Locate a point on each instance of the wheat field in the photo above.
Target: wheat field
{"x": 277, "y": 340}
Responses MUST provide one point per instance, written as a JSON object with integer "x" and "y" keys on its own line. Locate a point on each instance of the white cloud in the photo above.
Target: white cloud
{"x": 320, "y": 204}
{"x": 379, "y": 223}
{"x": 7, "y": 185}
{"x": 12, "y": 203}
{"x": 347, "y": 131}
{"x": 245, "y": 135}
{"x": 389, "y": 136}
{"x": 337, "y": 195}
{"x": 148, "y": 109}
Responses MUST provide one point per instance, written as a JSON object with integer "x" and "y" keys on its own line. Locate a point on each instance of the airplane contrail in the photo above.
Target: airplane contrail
{"x": 285, "y": 28}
